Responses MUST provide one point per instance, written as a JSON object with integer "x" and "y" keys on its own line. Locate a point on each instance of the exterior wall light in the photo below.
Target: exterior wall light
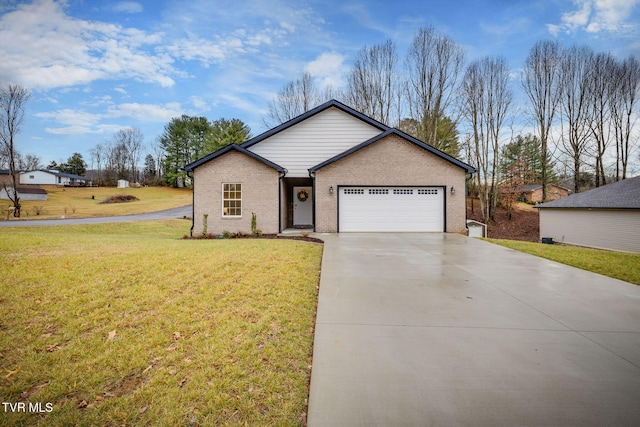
{"x": 453, "y": 191}
{"x": 331, "y": 190}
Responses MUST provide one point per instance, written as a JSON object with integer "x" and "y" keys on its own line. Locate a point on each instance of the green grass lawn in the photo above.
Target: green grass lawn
{"x": 127, "y": 324}
{"x": 619, "y": 265}
{"x": 84, "y": 202}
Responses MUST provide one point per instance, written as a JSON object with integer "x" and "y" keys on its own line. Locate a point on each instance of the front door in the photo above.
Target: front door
{"x": 302, "y": 207}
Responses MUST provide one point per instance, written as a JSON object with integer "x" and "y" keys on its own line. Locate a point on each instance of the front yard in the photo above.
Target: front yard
{"x": 85, "y": 202}
{"x": 127, "y": 324}
{"x": 619, "y": 265}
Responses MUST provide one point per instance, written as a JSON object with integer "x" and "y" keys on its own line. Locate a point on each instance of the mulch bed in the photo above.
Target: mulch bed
{"x": 120, "y": 198}
{"x": 262, "y": 236}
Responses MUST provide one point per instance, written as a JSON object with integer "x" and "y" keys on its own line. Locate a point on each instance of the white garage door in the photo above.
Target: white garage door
{"x": 393, "y": 209}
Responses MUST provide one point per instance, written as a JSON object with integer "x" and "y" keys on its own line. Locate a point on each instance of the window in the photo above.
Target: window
{"x": 402, "y": 191}
{"x": 32, "y": 177}
{"x": 231, "y": 200}
{"x": 353, "y": 191}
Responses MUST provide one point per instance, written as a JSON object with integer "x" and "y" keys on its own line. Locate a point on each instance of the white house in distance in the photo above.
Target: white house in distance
{"x": 52, "y": 177}
{"x": 606, "y": 217}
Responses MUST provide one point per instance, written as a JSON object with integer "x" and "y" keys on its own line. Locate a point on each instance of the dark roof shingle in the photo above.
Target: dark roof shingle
{"x": 623, "y": 194}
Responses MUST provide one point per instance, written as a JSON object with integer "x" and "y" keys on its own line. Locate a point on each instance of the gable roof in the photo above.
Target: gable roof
{"x": 423, "y": 145}
{"x": 56, "y": 173}
{"x": 70, "y": 175}
{"x": 623, "y": 194}
{"x": 311, "y": 113}
{"x": 533, "y": 187}
{"x": 226, "y": 149}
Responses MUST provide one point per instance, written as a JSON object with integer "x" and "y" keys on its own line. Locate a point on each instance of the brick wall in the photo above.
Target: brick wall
{"x": 390, "y": 161}
{"x": 260, "y": 188}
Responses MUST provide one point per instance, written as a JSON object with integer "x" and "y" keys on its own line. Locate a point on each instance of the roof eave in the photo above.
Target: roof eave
{"x": 192, "y": 166}
{"x": 392, "y": 131}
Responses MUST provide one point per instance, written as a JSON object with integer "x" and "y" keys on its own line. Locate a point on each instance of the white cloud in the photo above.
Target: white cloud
{"x": 128, "y": 7}
{"x": 147, "y": 112}
{"x": 611, "y": 14}
{"x": 328, "y": 69}
{"x": 595, "y": 16}
{"x": 81, "y": 121}
{"x": 50, "y": 49}
{"x": 199, "y": 103}
{"x": 76, "y": 118}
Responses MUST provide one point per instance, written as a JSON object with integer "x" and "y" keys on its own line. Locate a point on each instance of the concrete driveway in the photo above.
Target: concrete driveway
{"x": 444, "y": 330}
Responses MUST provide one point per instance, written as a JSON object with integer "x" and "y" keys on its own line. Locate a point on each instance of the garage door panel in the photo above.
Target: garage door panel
{"x": 400, "y": 209}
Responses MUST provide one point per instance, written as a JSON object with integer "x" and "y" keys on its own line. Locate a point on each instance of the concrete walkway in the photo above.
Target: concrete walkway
{"x": 445, "y": 330}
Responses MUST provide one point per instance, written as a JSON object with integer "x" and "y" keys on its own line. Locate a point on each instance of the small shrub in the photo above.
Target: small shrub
{"x": 205, "y": 223}
{"x": 39, "y": 210}
{"x": 304, "y": 234}
{"x": 254, "y": 224}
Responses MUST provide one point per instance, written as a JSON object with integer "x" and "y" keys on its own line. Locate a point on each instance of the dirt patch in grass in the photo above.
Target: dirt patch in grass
{"x": 119, "y": 198}
{"x": 524, "y": 223}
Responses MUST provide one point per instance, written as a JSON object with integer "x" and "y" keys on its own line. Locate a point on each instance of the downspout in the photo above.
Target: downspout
{"x": 466, "y": 214}
{"x": 282, "y": 174}
{"x": 312, "y": 175}
{"x": 193, "y": 204}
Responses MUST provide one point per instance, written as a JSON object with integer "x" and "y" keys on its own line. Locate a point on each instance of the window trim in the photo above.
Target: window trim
{"x": 224, "y": 199}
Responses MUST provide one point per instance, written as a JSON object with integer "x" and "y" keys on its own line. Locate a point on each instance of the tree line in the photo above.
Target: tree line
{"x": 582, "y": 105}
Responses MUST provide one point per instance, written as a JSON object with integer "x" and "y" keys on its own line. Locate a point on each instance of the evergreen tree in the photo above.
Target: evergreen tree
{"x": 526, "y": 151}
{"x": 185, "y": 139}
{"x": 74, "y": 165}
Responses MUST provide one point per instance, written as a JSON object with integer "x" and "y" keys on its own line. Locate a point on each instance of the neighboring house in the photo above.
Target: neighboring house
{"x": 331, "y": 169}
{"x": 52, "y": 177}
{"x": 606, "y": 217}
{"x": 25, "y": 193}
{"x": 533, "y": 193}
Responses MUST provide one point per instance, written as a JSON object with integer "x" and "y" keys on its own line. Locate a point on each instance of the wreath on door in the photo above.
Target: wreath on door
{"x": 303, "y": 195}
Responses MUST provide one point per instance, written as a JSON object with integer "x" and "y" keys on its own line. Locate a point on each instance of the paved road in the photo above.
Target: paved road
{"x": 445, "y": 330}
{"x": 181, "y": 212}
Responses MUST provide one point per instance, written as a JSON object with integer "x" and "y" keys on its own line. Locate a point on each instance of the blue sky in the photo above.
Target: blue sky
{"x": 94, "y": 67}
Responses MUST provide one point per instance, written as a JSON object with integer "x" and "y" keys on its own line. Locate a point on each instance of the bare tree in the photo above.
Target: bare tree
{"x": 600, "y": 92}
{"x": 575, "y": 77}
{"x": 433, "y": 64}
{"x": 623, "y": 106}
{"x": 158, "y": 154}
{"x": 372, "y": 83}
{"x": 485, "y": 100}
{"x": 540, "y": 83}
{"x": 98, "y": 155}
{"x": 117, "y": 161}
{"x": 28, "y": 162}
{"x": 132, "y": 139}
{"x": 295, "y": 98}
{"x": 13, "y": 100}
